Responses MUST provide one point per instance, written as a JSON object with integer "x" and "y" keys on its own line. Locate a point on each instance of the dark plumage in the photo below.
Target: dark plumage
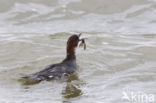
{"x": 67, "y": 66}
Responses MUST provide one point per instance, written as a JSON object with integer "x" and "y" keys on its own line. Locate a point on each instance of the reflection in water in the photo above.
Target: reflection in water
{"x": 27, "y": 81}
{"x": 71, "y": 91}
{"x": 72, "y": 88}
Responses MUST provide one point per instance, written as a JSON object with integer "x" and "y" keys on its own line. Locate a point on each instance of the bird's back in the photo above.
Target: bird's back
{"x": 54, "y": 70}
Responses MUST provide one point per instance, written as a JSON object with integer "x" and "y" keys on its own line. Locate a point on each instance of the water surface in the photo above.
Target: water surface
{"x": 120, "y": 55}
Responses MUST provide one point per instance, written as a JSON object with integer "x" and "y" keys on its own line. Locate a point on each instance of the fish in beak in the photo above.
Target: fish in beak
{"x": 82, "y": 41}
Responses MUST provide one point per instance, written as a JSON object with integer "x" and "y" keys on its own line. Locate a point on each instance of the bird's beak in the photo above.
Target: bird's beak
{"x": 82, "y": 41}
{"x": 79, "y": 35}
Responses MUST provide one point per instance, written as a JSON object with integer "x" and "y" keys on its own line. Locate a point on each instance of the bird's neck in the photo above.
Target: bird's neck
{"x": 70, "y": 52}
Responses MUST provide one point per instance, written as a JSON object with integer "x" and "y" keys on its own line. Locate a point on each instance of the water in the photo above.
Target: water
{"x": 120, "y": 55}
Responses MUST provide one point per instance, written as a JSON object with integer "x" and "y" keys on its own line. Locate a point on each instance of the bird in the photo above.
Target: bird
{"x": 65, "y": 67}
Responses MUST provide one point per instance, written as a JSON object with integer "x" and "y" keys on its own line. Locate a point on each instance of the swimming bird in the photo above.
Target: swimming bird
{"x": 67, "y": 66}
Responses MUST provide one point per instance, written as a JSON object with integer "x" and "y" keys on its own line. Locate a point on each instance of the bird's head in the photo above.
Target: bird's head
{"x": 73, "y": 41}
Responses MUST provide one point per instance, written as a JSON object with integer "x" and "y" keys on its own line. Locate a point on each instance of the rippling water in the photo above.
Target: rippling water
{"x": 120, "y": 55}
